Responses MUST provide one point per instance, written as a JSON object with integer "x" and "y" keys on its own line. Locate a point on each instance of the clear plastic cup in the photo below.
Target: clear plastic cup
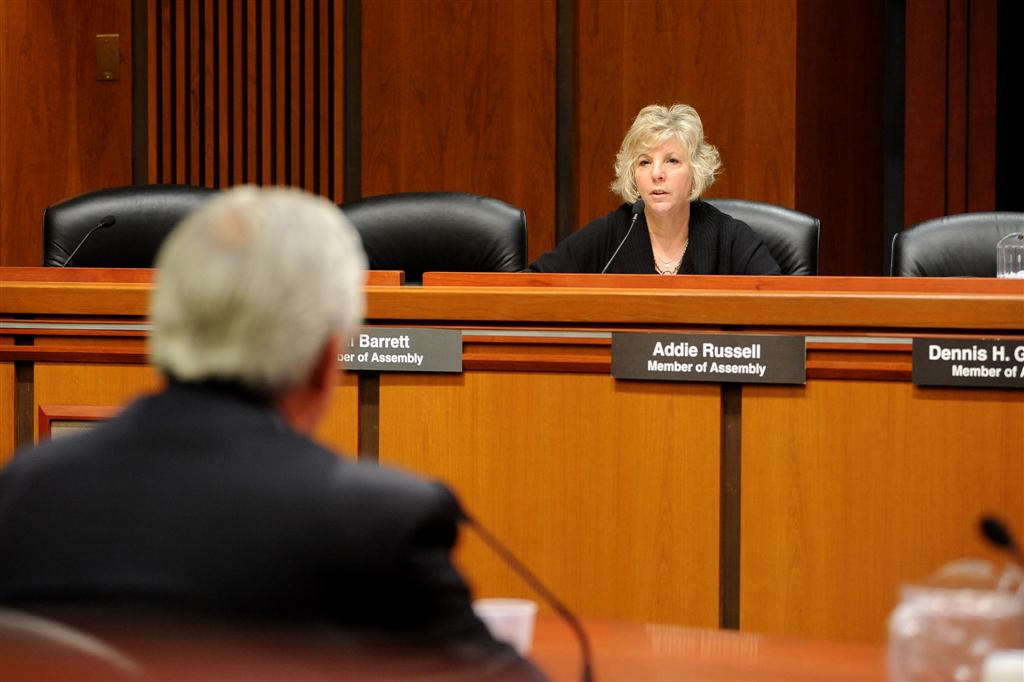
{"x": 509, "y": 620}
{"x": 1010, "y": 256}
{"x": 945, "y": 629}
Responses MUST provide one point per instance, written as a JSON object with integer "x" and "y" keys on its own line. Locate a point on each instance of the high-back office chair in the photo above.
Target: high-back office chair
{"x": 439, "y": 232}
{"x": 143, "y": 217}
{"x": 791, "y": 236}
{"x": 961, "y": 245}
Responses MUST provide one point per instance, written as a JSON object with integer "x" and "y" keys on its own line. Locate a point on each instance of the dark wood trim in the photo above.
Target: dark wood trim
{"x": 730, "y": 479}
{"x": 369, "y": 416}
{"x": 353, "y": 151}
{"x": 566, "y": 137}
{"x": 140, "y": 91}
{"x": 24, "y": 396}
{"x": 894, "y": 92}
{"x": 89, "y": 354}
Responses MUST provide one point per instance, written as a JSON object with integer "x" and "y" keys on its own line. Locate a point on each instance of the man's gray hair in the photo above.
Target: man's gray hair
{"x": 251, "y": 286}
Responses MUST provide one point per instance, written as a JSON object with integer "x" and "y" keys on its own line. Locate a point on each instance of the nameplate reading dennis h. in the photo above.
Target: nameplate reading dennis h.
{"x": 991, "y": 363}
{"x": 735, "y": 358}
{"x": 399, "y": 349}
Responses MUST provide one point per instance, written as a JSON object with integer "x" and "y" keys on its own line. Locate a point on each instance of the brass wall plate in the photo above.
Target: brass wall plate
{"x": 108, "y": 57}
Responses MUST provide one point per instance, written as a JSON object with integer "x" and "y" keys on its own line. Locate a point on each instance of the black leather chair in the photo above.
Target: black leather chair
{"x": 791, "y": 236}
{"x": 421, "y": 232}
{"x": 143, "y": 217}
{"x": 961, "y": 245}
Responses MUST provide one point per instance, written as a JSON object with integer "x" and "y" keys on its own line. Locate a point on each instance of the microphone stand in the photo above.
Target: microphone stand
{"x": 586, "y": 674}
{"x": 105, "y": 222}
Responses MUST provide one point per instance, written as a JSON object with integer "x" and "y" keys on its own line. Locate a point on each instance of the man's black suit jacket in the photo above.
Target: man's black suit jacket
{"x": 200, "y": 499}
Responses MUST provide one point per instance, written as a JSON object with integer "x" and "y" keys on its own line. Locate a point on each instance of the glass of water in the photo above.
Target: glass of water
{"x": 1010, "y": 256}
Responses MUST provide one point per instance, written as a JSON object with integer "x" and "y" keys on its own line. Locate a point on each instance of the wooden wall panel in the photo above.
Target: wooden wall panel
{"x": 735, "y": 62}
{"x": 339, "y": 429}
{"x": 841, "y": 505}
{"x": 95, "y": 385}
{"x": 62, "y": 132}
{"x": 620, "y": 519}
{"x": 925, "y": 147}
{"x": 460, "y": 96}
{"x": 949, "y": 151}
{"x": 839, "y": 131}
{"x": 981, "y": 106}
{"x": 246, "y": 92}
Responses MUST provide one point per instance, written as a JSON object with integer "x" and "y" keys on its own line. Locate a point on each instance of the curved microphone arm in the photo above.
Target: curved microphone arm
{"x": 587, "y": 674}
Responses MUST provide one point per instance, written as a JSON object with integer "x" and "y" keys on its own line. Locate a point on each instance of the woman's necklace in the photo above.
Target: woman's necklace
{"x": 671, "y": 265}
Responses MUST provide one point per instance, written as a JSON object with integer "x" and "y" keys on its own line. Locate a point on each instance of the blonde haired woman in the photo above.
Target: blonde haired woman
{"x": 662, "y": 168}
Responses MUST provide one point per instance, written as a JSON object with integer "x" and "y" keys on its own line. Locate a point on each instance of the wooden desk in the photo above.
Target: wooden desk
{"x": 112, "y": 650}
{"x": 784, "y": 509}
{"x": 645, "y": 652}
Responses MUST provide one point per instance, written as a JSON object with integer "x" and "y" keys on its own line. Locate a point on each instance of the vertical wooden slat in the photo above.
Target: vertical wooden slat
{"x": 167, "y": 92}
{"x": 208, "y": 103}
{"x": 294, "y": 102}
{"x": 195, "y": 58}
{"x": 279, "y": 52}
{"x": 956, "y": 101}
{"x": 154, "y": 80}
{"x": 981, "y": 173}
{"x": 337, "y": 90}
{"x": 308, "y": 85}
{"x": 224, "y": 77}
{"x": 265, "y": 80}
{"x": 321, "y": 95}
{"x": 238, "y": 97}
{"x": 180, "y": 112}
{"x": 253, "y": 100}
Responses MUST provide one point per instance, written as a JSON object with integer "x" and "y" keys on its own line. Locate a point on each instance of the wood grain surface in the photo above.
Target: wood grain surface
{"x": 8, "y": 419}
{"x": 852, "y": 488}
{"x": 657, "y": 651}
{"x": 62, "y": 132}
{"x": 92, "y": 385}
{"x": 698, "y": 52}
{"x": 851, "y": 485}
{"x": 607, "y": 489}
{"x": 460, "y": 96}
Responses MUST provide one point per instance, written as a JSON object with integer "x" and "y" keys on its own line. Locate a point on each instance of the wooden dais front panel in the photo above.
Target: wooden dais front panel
{"x": 609, "y": 490}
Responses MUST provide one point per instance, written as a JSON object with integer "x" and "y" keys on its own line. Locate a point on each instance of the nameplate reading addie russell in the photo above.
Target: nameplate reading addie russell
{"x": 736, "y": 358}
{"x": 398, "y": 349}
{"x": 991, "y": 363}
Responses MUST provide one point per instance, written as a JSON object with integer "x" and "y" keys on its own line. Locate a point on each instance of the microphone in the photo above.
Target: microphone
{"x": 107, "y": 221}
{"x": 638, "y": 208}
{"x": 520, "y": 569}
{"x": 998, "y": 535}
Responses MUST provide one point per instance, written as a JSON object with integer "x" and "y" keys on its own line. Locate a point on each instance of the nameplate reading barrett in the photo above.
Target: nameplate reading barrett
{"x": 396, "y": 349}
{"x": 735, "y": 358}
{"x": 990, "y": 363}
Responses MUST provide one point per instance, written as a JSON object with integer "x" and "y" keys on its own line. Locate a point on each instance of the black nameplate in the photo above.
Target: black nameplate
{"x": 399, "y": 349}
{"x": 990, "y": 363}
{"x": 735, "y": 358}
